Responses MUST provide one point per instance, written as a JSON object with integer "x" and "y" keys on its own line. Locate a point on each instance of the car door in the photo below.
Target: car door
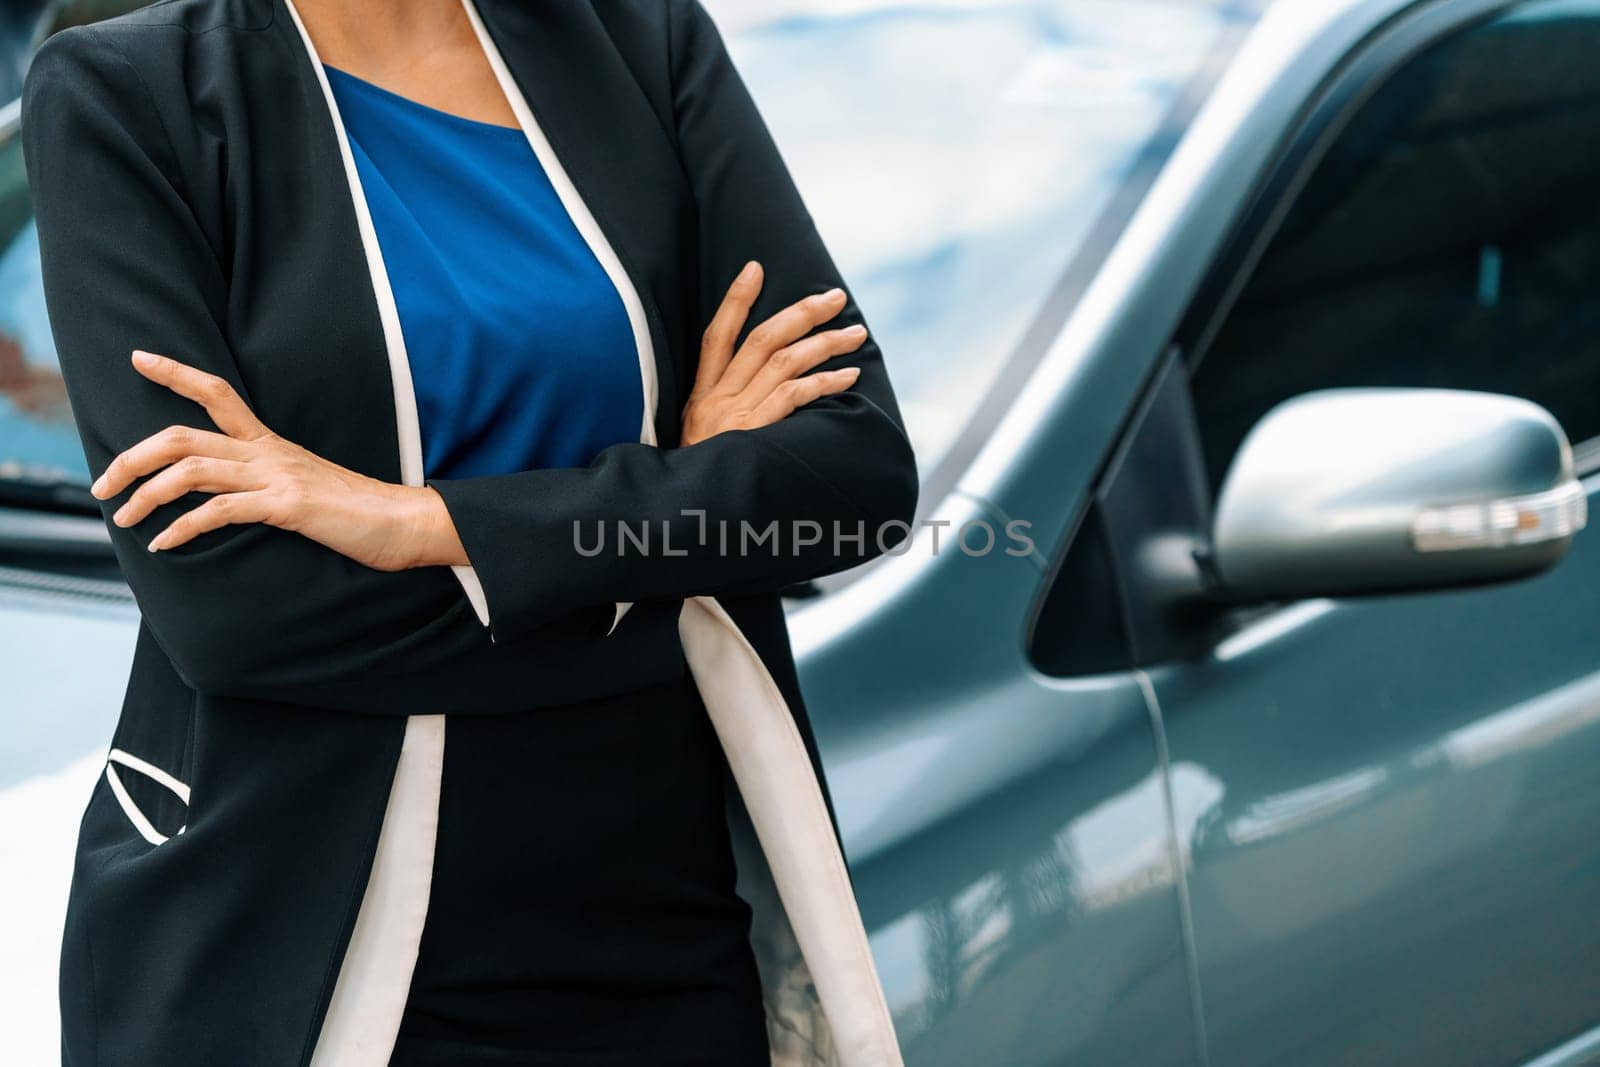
{"x": 1398, "y": 861}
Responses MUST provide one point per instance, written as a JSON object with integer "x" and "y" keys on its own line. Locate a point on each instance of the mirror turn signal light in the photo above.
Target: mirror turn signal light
{"x": 1517, "y": 520}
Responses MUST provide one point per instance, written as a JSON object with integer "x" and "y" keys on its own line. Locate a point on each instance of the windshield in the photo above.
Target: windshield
{"x": 960, "y": 159}
{"x": 969, "y": 164}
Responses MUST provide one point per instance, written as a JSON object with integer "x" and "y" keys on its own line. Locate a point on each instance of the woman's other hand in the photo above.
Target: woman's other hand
{"x": 766, "y": 379}
{"x": 258, "y": 477}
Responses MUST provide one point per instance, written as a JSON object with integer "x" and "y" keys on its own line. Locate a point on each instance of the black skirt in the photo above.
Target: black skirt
{"x": 583, "y": 911}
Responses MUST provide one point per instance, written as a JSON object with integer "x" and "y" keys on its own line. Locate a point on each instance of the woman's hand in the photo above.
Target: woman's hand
{"x": 766, "y": 378}
{"x": 258, "y": 477}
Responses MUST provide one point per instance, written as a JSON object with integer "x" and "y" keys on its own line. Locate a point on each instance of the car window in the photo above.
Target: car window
{"x": 1450, "y": 237}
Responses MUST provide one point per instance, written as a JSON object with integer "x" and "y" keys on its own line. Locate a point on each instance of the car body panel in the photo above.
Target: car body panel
{"x": 1007, "y": 832}
{"x": 66, "y": 657}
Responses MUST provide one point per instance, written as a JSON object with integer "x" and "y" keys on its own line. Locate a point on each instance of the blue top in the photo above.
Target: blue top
{"x": 521, "y": 352}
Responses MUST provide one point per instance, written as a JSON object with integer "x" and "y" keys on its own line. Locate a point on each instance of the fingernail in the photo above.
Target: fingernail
{"x": 154, "y": 546}
{"x": 834, "y": 294}
{"x": 143, "y": 358}
{"x": 120, "y": 518}
{"x": 856, "y": 330}
{"x": 747, "y": 270}
{"x": 98, "y": 489}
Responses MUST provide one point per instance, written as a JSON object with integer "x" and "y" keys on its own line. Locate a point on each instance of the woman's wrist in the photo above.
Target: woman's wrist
{"x": 427, "y": 534}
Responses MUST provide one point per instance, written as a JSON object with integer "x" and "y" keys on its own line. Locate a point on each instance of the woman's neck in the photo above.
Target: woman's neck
{"x": 385, "y": 37}
{"x": 423, "y": 49}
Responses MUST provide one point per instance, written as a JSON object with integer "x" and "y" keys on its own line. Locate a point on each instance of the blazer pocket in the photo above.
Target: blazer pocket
{"x": 119, "y": 764}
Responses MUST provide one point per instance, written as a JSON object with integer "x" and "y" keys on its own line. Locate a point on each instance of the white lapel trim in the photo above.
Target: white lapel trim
{"x": 590, "y": 230}
{"x": 581, "y": 217}
{"x": 408, "y": 430}
{"x": 369, "y": 997}
{"x": 783, "y": 800}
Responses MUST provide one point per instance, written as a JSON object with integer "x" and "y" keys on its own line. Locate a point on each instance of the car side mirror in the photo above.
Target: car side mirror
{"x": 1346, "y": 492}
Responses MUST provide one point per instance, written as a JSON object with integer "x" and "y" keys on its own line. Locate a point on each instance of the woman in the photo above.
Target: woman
{"x": 378, "y": 319}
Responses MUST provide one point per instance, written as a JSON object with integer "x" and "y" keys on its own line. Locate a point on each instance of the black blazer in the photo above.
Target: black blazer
{"x": 253, "y": 868}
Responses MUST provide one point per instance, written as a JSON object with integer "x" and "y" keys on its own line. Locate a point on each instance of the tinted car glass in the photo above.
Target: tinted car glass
{"x": 1449, "y": 238}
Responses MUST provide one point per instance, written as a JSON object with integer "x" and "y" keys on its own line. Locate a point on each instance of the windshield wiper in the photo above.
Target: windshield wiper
{"x": 52, "y": 522}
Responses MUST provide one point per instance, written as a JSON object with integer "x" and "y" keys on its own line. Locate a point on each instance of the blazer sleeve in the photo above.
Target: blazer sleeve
{"x": 747, "y": 511}
{"x": 247, "y": 610}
